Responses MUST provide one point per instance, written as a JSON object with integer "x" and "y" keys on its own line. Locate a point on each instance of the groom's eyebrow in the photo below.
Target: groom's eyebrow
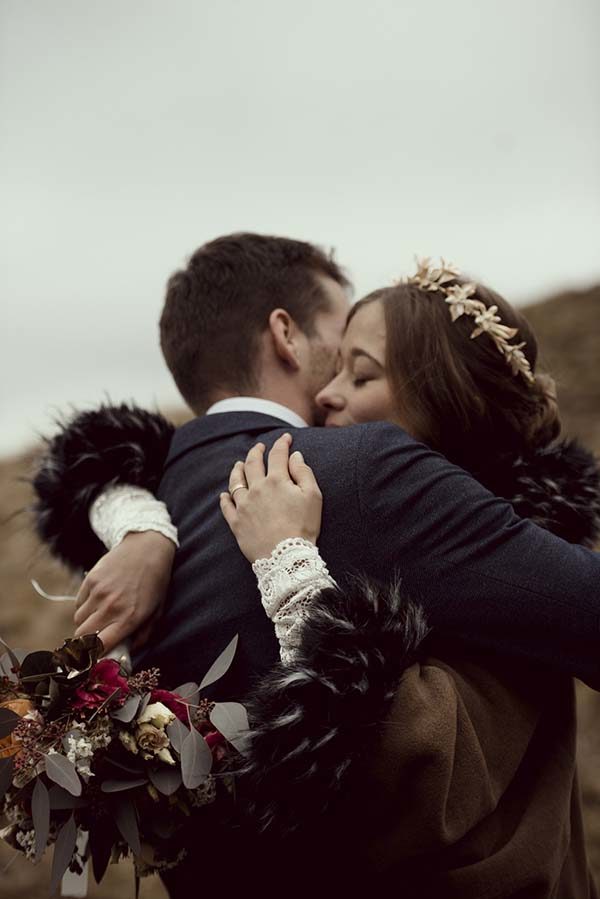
{"x": 358, "y": 352}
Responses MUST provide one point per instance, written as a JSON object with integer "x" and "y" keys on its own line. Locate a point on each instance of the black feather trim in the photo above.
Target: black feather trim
{"x": 109, "y": 445}
{"x": 557, "y": 487}
{"x": 314, "y": 721}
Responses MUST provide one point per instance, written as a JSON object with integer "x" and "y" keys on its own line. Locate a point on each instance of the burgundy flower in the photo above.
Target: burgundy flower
{"x": 105, "y": 677}
{"x": 216, "y": 743}
{"x": 173, "y": 701}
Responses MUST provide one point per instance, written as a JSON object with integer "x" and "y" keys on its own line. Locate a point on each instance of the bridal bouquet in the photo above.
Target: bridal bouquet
{"x": 101, "y": 763}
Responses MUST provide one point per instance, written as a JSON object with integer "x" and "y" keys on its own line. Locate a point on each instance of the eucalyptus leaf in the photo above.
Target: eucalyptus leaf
{"x": 167, "y": 779}
{"x": 7, "y": 767}
{"x": 8, "y": 722}
{"x": 6, "y": 668}
{"x": 63, "y": 772}
{"x": 231, "y": 719}
{"x": 117, "y": 786}
{"x": 40, "y": 813}
{"x": 196, "y": 760}
{"x": 131, "y": 769}
{"x": 63, "y": 852}
{"x": 60, "y": 799}
{"x": 127, "y": 822}
{"x": 221, "y": 665}
{"x": 189, "y": 692}
{"x": 144, "y": 703}
{"x": 177, "y": 732}
{"x": 13, "y": 658}
{"x": 102, "y": 838}
{"x": 54, "y": 694}
{"x": 37, "y": 665}
{"x": 128, "y": 710}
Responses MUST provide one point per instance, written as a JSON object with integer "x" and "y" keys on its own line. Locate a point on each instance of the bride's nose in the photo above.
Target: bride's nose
{"x": 330, "y": 399}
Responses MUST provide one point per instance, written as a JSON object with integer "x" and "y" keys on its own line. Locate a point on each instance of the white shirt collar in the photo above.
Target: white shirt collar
{"x": 256, "y": 404}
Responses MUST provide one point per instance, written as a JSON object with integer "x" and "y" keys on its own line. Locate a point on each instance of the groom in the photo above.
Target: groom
{"x": 250, "y": 331}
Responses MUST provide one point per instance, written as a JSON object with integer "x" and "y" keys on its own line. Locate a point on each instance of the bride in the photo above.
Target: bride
{"x": 382, "y": 753}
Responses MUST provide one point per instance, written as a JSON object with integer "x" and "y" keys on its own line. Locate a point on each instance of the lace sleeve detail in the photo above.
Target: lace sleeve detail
{"x": 123, "y": 508}
{"x": 288, "y": 581}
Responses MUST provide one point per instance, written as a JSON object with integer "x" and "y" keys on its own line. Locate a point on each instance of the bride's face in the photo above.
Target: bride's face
{"x": 360, "y": 390}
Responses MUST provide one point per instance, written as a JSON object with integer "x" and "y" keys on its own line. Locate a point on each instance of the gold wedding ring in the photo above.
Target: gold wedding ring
{"x": 239, "y": 487}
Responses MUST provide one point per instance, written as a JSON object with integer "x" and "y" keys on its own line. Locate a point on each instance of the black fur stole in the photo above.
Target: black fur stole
{"x": 113, "y": 444}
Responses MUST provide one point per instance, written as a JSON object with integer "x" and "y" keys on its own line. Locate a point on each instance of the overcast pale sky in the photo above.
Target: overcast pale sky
{"x": 133, "y": 132}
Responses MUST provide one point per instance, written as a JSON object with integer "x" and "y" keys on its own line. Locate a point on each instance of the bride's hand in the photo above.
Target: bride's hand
{"x": 264, "y": 508}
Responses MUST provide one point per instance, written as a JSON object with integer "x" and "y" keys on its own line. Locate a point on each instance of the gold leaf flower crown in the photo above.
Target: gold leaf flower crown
{"x": 459, "y": 299}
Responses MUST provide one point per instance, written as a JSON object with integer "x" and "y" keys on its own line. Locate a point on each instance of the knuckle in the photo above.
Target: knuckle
{"x": 111, "y": 602}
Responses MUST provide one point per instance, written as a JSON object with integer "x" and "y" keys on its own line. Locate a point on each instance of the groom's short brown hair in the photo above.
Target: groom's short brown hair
{"x": 217, "y": 307}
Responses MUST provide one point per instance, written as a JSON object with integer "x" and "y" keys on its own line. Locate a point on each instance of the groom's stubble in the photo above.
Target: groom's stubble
{"x": 322, "y": 368}
{"x": 325, "y": 342}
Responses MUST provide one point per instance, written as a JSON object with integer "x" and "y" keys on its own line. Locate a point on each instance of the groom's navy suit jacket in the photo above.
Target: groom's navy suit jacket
{"x": 391, "y": 507}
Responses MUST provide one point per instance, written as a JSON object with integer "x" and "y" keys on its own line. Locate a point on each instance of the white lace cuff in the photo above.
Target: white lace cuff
{"x": 288, "y": 581}
{"x": 124, "y": 508}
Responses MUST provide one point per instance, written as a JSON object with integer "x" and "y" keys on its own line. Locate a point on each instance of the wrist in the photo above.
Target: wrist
{"x": 123, "y": 508}
{"x": 151, "y": 541}
{"x": 270, "y": 548}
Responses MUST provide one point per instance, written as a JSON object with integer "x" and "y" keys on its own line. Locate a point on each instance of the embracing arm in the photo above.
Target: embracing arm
{"x": 362, "y": 724}
{"x": 91, "y": 490}
{"x": 482, "y": 574}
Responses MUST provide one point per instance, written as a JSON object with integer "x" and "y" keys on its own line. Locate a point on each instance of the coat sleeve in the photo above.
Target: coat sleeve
{"x": 108, "y": 445}
{"x": 313, "y": 721}
{"x": 488, "y": 577}
{"x": 365, "y": 728}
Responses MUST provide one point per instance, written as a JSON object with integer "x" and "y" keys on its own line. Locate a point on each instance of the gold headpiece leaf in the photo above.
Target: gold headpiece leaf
{"x": 459, "y": 298}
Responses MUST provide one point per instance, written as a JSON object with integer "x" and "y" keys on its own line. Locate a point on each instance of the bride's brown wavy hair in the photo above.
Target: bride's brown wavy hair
{"x": 456, "y": 394}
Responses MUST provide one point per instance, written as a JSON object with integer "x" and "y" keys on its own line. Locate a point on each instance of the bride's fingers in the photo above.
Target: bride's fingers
{"x": 303, "y": 475}
{"x": 237, "y": 478}
{"x": 228, "y": 509}
{"x": 278, "y": 457}
{"x": 255, "y": 464}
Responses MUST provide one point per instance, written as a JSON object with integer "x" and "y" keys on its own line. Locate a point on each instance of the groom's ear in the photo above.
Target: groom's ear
{"x": 285, "y": 333}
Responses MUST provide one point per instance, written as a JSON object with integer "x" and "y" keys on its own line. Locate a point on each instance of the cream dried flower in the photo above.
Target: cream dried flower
{"x": 152, "y": 742}
{"x": 128, "y": 741}
{"x": 157, "y": 714}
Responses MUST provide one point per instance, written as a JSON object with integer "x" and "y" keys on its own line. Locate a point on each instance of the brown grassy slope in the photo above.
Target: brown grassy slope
{"x": 569, "y": 330}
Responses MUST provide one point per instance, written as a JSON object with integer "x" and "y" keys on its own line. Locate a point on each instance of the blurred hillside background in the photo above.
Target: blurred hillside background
{"x": 131, "y": 133}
